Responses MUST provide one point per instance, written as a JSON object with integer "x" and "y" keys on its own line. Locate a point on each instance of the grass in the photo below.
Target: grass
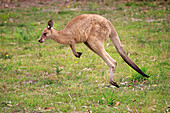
{"x": 109, "y": 98}
{"x": 47, "y": 77}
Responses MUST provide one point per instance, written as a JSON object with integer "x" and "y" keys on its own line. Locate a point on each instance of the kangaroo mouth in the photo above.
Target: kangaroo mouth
{"x": 40, "y": 41}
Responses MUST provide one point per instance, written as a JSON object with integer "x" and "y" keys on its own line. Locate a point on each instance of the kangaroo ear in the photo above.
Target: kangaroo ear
{"x": 50, "y": 24}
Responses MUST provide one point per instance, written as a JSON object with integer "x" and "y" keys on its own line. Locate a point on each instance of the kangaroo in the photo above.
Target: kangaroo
{"x": 92, "y": 30}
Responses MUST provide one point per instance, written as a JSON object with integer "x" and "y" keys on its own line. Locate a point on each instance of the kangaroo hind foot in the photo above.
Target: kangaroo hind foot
{"x": 114, "y": 83}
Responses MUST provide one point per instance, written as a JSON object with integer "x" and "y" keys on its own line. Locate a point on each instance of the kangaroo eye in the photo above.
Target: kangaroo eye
{"x": 44, "y": 34}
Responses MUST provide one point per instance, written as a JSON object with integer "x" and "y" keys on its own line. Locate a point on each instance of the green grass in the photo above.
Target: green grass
{"x": 46, "y": 77}
{"x": 109, "y": 98}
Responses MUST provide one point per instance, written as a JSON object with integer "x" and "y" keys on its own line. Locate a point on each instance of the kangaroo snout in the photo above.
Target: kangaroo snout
{"x": 40, "y": 41}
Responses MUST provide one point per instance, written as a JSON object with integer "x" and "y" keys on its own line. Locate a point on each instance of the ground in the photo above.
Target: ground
{"x": 48, "y": 77}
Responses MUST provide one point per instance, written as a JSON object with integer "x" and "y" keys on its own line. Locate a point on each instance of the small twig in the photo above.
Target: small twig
{"x": 129, "y": 110}
{"x": 136, "y": 110}
{"x": 72, "y": 103}
{"x": 70, "y": 97}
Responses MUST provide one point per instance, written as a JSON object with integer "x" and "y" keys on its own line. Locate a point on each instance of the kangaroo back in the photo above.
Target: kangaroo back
{"x": 116, "y": 41}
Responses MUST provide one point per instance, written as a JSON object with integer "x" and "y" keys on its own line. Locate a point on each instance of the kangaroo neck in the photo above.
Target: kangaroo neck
{"x": 59, "y": 36}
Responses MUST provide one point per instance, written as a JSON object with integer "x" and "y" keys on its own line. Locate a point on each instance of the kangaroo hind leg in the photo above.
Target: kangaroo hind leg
{"x": 98, "y": 48}
{"x": 111, "y": 80}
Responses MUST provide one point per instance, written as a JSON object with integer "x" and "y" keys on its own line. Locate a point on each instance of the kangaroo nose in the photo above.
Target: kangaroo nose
{"x": 39, "y": 41}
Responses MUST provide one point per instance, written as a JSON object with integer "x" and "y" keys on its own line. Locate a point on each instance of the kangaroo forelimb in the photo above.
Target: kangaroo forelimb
{"x": 73, "y": 48}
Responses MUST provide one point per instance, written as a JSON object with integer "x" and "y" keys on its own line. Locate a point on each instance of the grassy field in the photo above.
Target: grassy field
{"x": 47, "y": 77}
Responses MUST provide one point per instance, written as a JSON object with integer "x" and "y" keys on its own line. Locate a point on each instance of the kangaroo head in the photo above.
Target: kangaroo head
{"x": 46, "y": 33}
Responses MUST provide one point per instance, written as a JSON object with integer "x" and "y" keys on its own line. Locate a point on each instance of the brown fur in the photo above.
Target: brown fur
{"x": 92, "y": 30}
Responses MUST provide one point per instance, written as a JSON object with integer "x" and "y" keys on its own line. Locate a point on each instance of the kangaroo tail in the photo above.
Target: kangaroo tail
{"x": 116, "y": 41}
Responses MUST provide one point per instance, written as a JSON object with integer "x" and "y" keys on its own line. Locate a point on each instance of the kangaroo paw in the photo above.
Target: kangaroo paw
{"x": 114, "y": 84}
{"x": 79, "y": 54}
